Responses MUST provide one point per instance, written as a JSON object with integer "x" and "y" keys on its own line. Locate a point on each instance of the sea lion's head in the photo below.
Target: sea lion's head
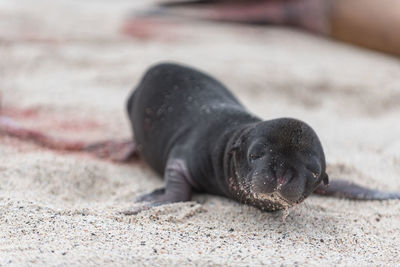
{"x": 276, "y": 164}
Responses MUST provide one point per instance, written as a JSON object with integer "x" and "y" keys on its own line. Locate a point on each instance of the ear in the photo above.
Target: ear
{"x": 325, "y": 179}
{"x": 235, "y": 147}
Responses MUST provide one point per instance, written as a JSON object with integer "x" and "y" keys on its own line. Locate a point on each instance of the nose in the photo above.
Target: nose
{"x": 283, "y": 176}
{"x": 281, "y": 181}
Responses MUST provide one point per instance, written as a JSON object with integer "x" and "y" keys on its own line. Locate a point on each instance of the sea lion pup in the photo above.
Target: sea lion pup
{"x": 191, "y": 130}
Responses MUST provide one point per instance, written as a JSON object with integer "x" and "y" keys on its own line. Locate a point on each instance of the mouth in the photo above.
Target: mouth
{"x": 281, "y": 181}
{"x": 277, "y": 200}
{"x": 271, "y": 191}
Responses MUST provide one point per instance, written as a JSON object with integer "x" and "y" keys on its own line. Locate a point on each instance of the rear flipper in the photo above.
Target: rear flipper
{"x": 177, "y": 189}
{"x": 349, "y": 190}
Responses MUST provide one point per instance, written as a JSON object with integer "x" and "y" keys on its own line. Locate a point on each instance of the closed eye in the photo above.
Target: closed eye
{"x": 256, "y": 151}
{"x": 253, "y": 157}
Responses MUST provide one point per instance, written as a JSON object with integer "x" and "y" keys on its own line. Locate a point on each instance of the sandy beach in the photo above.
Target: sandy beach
{"x": 67, "y": 68}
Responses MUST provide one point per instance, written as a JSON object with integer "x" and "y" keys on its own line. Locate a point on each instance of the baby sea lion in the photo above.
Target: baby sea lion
{"x": 192, "y": 130}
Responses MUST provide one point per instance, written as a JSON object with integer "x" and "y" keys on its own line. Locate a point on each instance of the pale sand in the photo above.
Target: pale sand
{"x": 68, "y": 59}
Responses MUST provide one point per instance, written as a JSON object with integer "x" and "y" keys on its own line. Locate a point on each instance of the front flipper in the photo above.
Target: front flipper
{"x": 177, "y": 188}
{"x": 349, "y": 190}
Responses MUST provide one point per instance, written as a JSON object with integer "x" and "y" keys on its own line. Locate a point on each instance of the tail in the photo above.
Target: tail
{"x": 349, "y": 190}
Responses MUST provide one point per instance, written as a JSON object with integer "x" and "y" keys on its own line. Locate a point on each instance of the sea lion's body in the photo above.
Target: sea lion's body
{"x": 185, "y": 120}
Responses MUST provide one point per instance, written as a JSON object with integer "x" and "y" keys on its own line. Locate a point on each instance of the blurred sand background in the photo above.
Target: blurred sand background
{"x": 66, "y": 68}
